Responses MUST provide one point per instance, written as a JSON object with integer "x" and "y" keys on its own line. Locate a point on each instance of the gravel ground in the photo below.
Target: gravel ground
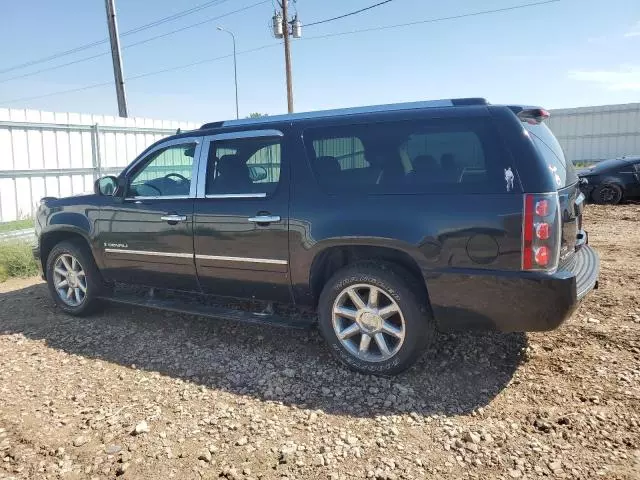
{"x": 132, "y": 393}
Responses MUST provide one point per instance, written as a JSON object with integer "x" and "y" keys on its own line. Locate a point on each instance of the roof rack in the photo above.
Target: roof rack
{"x": 454, "y": 102}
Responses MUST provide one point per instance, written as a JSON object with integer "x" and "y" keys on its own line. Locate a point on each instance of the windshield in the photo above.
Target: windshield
{"x": 562, "y": 169}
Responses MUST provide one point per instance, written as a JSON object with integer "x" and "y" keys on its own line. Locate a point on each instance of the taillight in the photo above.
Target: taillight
{"x": 541, "y": 232}
{"x": 542, "y": 208}
{"x": 542, "y": 256}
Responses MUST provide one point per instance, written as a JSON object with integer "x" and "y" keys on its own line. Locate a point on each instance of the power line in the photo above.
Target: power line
{"x": 60, "y": 92}
{"x": 147, "y": 74}
{"x": 350, "y": 32}
{"x": 106, "y": 40}
{"x": 55, "y": 67}
{"x": 146, "y": 40}
{"x": 200, "y": 62}
{"x": 431, "y": 20}
{"x": 347, "y": 14}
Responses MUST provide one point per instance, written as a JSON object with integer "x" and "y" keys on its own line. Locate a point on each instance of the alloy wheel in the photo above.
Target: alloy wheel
{"x": 70, "y": 280}
{"x": 368, "y": 322}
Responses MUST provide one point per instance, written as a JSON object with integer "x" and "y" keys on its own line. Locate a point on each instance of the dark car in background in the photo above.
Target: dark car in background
{"x": 611, "y": 181}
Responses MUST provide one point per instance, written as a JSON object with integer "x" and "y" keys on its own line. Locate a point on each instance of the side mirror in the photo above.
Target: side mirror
{"x": 105, "y": 186}
{"x": 257, "y": 173}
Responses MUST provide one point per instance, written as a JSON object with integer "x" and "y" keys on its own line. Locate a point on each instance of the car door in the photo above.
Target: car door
{"x": 633, "y": 188}
{"x": 147, "y": 229}
{"x": 241, "y": 216}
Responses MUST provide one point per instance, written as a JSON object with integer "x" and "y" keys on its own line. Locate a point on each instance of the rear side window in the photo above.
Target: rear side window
{"x": 417, "y": 156}
{"x": 348, "y": 151}
{"x": 562, "y": 169}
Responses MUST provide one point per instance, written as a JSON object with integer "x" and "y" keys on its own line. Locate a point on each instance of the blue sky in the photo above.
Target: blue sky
{"x": 562, "y": 54}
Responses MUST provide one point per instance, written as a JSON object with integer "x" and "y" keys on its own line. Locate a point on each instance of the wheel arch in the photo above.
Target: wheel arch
{"x": 51, "y": 238}
{"x": 333, "y": 258}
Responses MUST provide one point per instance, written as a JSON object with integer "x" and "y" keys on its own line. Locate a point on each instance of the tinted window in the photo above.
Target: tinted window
{"x": 348, "y": 151}
{"x": 166, "y": 172}
{"x": 421, "y": 156}
{"x": 562, "y": 169}
{"x": 243, "y": 165}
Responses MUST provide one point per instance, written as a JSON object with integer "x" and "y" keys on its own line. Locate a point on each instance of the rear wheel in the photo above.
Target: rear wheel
{"x": 73, "y": 278}
{"x": 607, "y": 194}
{"x": 374, "y": 318}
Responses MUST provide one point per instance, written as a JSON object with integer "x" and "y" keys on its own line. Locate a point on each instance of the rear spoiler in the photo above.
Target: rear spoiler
{"x": 531, "y": 115}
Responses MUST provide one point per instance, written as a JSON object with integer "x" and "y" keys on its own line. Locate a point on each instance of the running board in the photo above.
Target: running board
{"x": 211, "y": 311}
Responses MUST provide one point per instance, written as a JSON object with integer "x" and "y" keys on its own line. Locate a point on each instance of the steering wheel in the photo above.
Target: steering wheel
{"x": 183, "y": 179}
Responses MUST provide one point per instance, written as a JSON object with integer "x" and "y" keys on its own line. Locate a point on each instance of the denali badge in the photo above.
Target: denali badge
{"x": 115, "y": 245}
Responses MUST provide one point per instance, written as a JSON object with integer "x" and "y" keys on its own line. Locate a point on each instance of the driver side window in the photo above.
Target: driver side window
{"x": 167, "y": 172}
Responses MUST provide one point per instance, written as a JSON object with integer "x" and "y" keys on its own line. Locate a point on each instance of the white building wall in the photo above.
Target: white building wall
{"x": 597, "y": 133}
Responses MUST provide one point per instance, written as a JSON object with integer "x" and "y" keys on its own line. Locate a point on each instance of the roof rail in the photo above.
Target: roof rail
{"x": 455, "y": 102}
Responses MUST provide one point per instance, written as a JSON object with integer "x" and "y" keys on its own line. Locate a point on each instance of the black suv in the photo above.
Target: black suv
{"x": 391, "y": 221}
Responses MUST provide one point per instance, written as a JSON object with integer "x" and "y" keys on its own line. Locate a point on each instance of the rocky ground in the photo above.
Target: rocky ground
{"x": 132, "y": 393}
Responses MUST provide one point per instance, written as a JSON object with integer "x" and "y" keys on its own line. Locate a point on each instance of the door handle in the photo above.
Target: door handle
{"x": 265, "y": 219}
{"x": 173, "y": 218}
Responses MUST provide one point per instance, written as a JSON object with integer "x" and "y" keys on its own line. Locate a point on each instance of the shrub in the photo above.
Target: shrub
{"x": 16, "y": 260}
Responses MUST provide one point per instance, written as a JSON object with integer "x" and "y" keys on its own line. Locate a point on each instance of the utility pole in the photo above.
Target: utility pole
{"x": 115, "y": 56}
{"x": 287, "y": 55}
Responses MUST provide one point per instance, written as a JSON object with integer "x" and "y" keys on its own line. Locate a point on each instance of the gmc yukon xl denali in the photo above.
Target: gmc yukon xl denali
{"x": 391, "y": 221}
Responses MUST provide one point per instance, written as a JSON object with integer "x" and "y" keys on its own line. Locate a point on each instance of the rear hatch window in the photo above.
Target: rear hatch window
{"x": 545, "y": 141}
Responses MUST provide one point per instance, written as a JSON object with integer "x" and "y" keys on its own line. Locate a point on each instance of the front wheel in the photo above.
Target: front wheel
{"x": 374, "y": 318}
{"x": 607, "y": 194}
{"x": 73, "y": 278}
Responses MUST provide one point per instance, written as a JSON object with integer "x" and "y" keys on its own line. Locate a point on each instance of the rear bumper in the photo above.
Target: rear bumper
{"x": 512, "y": 301}
{"x": 585, "y": 265}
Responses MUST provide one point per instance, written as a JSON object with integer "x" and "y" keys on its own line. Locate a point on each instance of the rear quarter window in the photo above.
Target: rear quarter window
{"x": 419, "y": 156}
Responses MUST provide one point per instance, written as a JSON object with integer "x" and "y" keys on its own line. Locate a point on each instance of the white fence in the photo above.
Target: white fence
{"x": 589, "y": 134}
{"x": 60, "y": 154}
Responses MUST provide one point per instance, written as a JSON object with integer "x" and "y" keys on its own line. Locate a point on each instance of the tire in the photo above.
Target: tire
{"x": 412, "y": 326}
{"x": 84, "y": 297}
{"x": 607, "y": 194}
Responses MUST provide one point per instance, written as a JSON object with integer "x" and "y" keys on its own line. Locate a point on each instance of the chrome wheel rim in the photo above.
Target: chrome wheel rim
{"x": 368, "y": 322}
{"x": 70, "y": 280}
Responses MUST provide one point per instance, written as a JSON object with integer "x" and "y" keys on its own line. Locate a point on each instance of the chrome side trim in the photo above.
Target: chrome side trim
{"x": 157, "y": 197}
{"x": 246, "y": 134}
{"x": 148, "y": 252}
{"x": 242, "y": 259}
{"x": 199, "y": 257}
{"x": 237, "y": 195}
